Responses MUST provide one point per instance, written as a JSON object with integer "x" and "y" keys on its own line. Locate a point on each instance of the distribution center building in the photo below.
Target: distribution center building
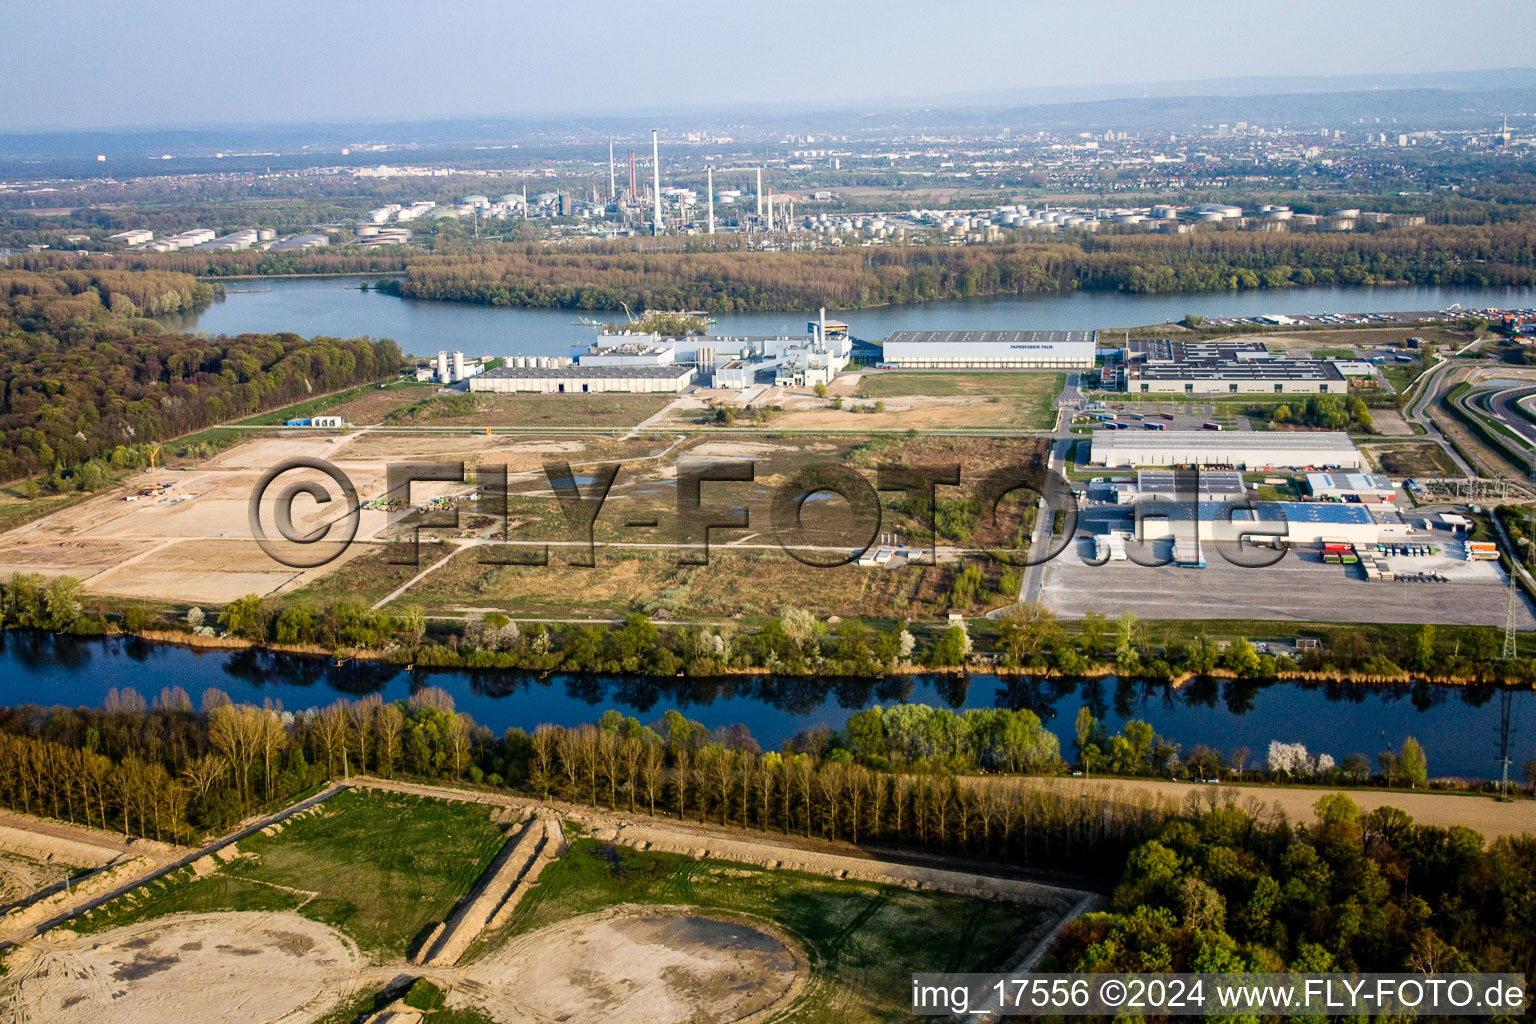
{"x": 1248, "y": 449}
{"x": 991, "y": 350}
{"x": 1360, "y": 486}
{"x": 584, "y": 379}
{"x": 1291, "y": 522}
{"x": 1158, "y": 366}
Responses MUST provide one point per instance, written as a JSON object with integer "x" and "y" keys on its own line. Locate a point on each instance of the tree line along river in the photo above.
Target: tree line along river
{"x": 1457, "y": 725}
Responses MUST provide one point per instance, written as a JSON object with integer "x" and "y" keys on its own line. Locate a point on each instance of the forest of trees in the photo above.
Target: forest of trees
{"x": 86, "y": 379}
{"x": 732, "y": 281}
{"x": 1220, "y": 890}
{"x": 720, "y": 275}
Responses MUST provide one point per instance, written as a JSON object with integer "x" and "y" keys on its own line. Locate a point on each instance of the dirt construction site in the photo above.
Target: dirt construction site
{"x": 192, "y": 541}
{"x": 220, "y": 940}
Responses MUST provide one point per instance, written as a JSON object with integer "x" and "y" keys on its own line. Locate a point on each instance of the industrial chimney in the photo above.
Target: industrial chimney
{"x": 759, "y": 191}
{"x": 709, "y": 187}
{"x": 656, "y": 179}
{"x": 612, "y": 184}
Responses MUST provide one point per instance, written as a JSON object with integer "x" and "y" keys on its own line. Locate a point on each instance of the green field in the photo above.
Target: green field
{"x": 863, "y": 940}
{"x": 380, "y": 867}
{"x": 594, "y": 412}
{"x": 307, "y": 408}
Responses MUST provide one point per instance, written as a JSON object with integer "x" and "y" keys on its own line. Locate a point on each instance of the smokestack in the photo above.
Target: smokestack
{"x": 612, "y": 184}
{"x": 770, "y": 213}
{"x": 759, "y": 191}
{"x": 656, "y": 178}
{"x": 525, "y": 202}
{"x": 710, "y": 188}
{"x": 822, "y": 329}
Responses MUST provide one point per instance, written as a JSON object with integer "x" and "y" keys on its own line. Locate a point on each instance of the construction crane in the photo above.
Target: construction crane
{"x": 154, "y": 457}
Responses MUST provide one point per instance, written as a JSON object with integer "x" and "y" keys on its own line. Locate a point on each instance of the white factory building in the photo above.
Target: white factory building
{"x": 450, "y": 368}
{"x": 991, "y": 350}
{"x": 1244, "y": 449}
{"x": 580, "y": 379}
{"x": 137, "y": 236}
{"x": 1291, "y": 522}
{"x": 1368, "y": 487}
{"x": 729, "y": 361}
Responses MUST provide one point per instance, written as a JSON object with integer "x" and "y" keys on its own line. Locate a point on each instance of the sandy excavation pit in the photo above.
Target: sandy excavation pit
{"x": 653, "y": 965}
{"x": 190, "y": 969}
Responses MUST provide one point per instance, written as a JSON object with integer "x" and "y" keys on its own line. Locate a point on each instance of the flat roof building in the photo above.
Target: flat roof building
{"x": 1161, "y": 366}
{"x": 1242, "y": 449}
{"x": 584, "y": 379}
{"x": 1216, "y": 485}
{"x": 1361, "y": 486}
{"x": 985, "y": 350}
{"x": 1293, "y": 522}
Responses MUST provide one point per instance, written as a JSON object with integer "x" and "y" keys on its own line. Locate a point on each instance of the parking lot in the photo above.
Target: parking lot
{"x": 1299, "y": 588}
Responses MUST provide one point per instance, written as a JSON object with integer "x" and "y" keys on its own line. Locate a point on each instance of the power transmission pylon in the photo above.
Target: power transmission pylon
{"x": 1509, "y": 614}
{"x": 1506, "y": 707}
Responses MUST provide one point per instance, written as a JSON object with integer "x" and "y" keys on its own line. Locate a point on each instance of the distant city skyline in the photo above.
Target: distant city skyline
{"x": 80, "y": 64}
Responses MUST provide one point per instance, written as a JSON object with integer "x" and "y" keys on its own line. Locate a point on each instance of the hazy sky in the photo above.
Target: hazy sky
{"x": 67, "y": 63}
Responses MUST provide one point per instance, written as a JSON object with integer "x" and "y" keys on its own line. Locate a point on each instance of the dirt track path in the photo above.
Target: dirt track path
{"x": 1484, "y": 814}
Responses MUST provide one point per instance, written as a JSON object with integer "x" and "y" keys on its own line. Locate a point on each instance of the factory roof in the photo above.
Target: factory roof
{"x": 1239, "y": 369}
{"x": 1246, "y": 440}
{"x": 1349, "y": 482}
{"x": 1226, "y": 482}
{"x": 1164, "y": 350}
{"x": 1316, "y": 513}
{"x": 1011, "y": 338}
{"x": 669, "y": 372}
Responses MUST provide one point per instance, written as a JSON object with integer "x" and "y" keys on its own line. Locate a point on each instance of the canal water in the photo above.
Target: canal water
{"x": 1458, "y": 726}
{"x": 337, "y": 307}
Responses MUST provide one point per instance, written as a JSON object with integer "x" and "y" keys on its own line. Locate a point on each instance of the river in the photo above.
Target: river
{"x": 337, "y": 307}
{"x": 1458, "y": 726}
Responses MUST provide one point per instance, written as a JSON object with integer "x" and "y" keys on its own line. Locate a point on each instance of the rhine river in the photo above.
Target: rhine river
{"x": 1457, "y": 726}
{"x": 337, "y": 307}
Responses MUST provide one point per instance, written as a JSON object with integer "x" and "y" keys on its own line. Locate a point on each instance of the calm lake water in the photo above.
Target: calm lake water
{"x": 337, "y": 307}
{"x": 1457, "y": 726}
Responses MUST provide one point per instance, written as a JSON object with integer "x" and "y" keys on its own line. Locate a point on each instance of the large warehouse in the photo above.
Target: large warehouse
{"x": 584, "y": 379}
{"x": 991, "y": 350}
{"x": 1294, "y": 522}
{"x": 1128, "y": 449}
{"x": 1155, "y": 366}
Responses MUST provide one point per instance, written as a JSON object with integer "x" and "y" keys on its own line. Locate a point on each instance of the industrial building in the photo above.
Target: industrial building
{"x": 1291, "y": 522}
{"x": 1369, "y": 487}
{"x": 136, "y": 236}
{"x": 731, "y": 361}
{"x": 1162, "y": 366}
{"x": 1215, "y": 485}
{"x": 991, "y": 350}
{"x": 1245, "y": 449}
{"x": 450, "y": 369}
{"x": 580, "y": 379}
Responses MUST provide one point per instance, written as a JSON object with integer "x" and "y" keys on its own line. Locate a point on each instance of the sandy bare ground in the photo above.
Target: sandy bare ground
{"x": 21, "y": 876}
{"x": 650, "y": 965}
{"x": 191, "y": 969}
{"x": 1480, "y": 813}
